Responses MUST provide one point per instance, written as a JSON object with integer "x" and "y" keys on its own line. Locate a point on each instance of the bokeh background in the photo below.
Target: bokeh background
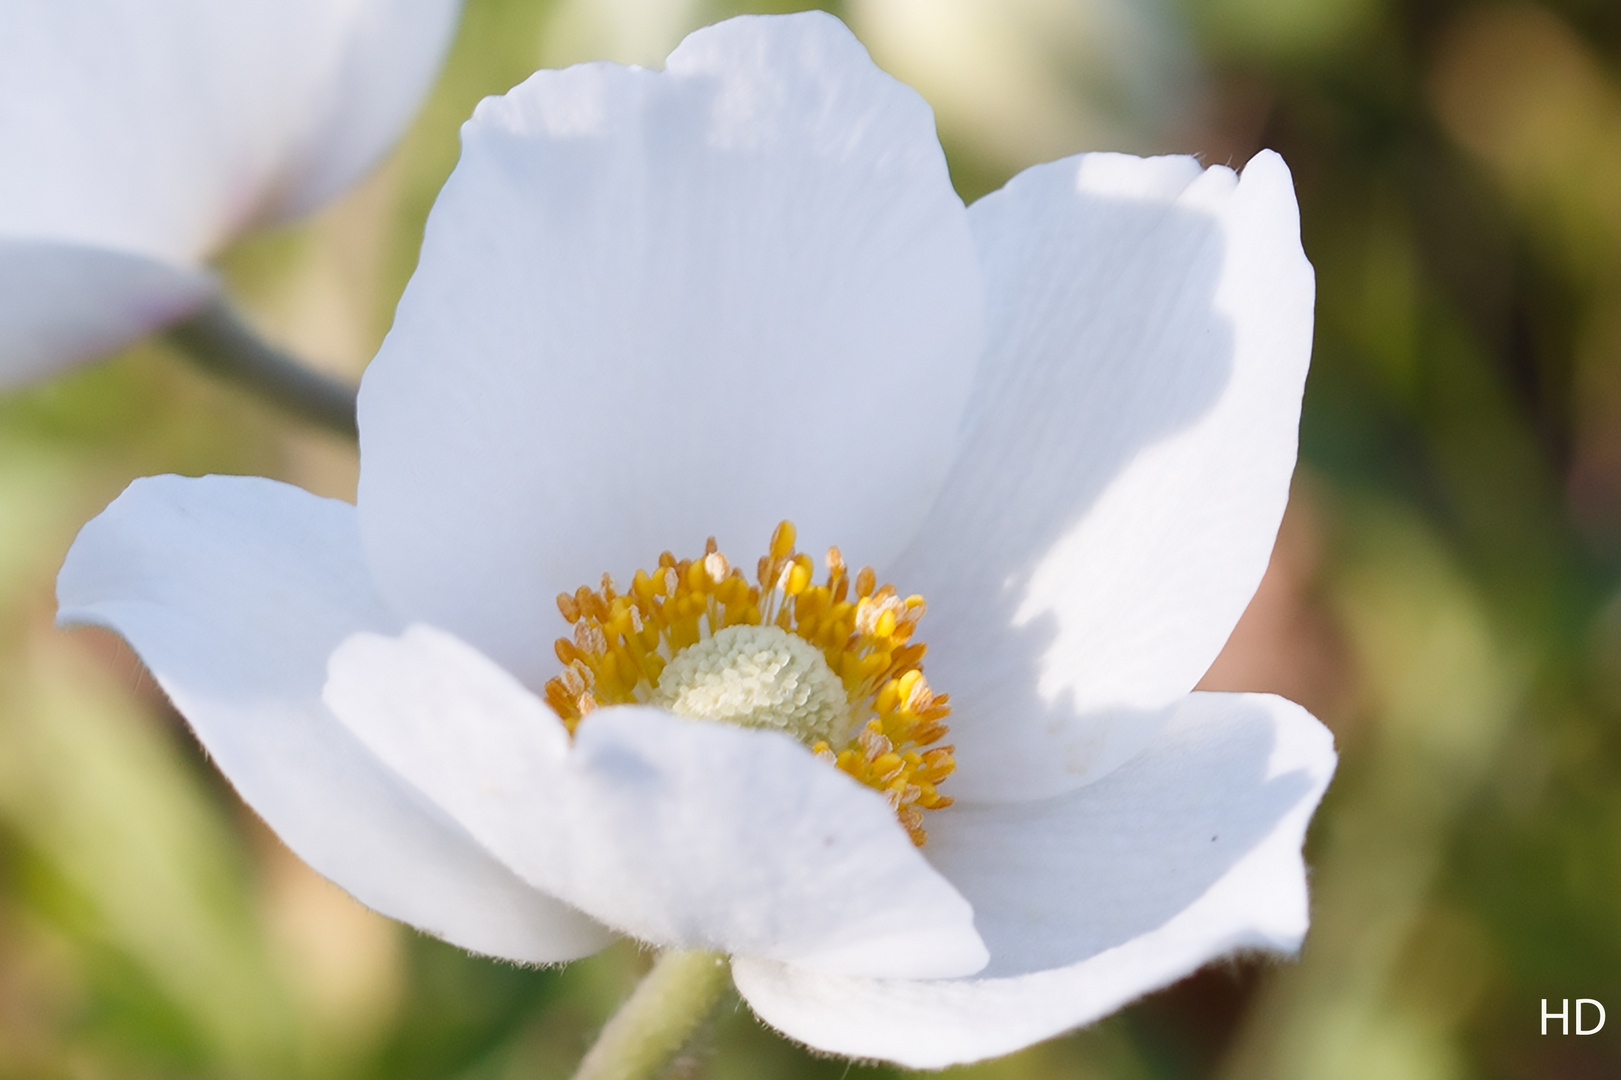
{"x": 1444, "y": 593}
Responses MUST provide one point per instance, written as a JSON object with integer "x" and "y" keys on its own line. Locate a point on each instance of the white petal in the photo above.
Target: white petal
{"x": 1190, "y": 851}
{"x": 1127, "y": 462}
{"x": 234, "y": 590}
{"x": 654, "y": 307}
{"x": 681, "y": 832}
{"x": 61, "y": 303}
{"x": 161, "y": 128}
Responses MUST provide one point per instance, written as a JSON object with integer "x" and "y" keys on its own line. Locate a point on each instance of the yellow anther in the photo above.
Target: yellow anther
{"x": 887, "y": 766}
{"x": 909, "y": 656}
{"x": 586, "y": 602}
{"x": 782, "y": 540}
{"x": 810, "y": 603}
{"x": 874, "y": 743}
{"x": 589, "y": 638}
{"x": 798, "y": 577}
{"x": 872, "y": 664}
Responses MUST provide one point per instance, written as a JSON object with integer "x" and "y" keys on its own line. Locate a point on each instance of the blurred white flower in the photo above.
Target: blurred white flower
{"x": 140, "y": 137}
{"x": 655, "y": 306}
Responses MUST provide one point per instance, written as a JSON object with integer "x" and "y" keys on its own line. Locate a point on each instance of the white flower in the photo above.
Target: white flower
{"x": 655, "y": 306}
{"x": 140, "y": 135}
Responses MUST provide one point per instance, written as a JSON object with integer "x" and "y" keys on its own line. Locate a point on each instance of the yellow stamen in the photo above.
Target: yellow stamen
{"x": 622, "y": 643}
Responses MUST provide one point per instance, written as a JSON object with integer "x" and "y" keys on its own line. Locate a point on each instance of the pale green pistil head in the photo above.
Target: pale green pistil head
{"x": 757, "y": 676}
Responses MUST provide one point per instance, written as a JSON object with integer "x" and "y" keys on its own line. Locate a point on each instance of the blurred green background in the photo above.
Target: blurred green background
{"x": 1444, "y": 594}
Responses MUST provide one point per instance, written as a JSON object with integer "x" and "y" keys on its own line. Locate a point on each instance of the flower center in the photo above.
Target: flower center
{"x": 757, "y": 676}
{"x": 840, "y": 674}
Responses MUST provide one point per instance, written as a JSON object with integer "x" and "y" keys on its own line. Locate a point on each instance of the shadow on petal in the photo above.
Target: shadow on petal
{"x": 1107, "y": 341}
{"x": 1087, "y": 901}
{"x": 1058, "y": 881}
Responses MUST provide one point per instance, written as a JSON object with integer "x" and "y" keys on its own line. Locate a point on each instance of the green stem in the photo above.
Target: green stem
{"x": 219, "y": 342}
{"x": 661, "y": 1015}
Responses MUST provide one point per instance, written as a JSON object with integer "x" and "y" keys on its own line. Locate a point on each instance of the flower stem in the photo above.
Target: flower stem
{"x": 216, "y": 340}
{"x": 661, "y": 1015}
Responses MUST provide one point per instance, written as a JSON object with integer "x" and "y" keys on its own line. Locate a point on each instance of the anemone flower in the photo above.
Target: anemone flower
{"x": 141, "y": 136}
{"x": 658, "y": 307}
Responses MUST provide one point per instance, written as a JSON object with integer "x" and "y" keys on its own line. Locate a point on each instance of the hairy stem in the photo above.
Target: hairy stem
{"x": 652, "y": 1027}
{"x": 219, "y": 342}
